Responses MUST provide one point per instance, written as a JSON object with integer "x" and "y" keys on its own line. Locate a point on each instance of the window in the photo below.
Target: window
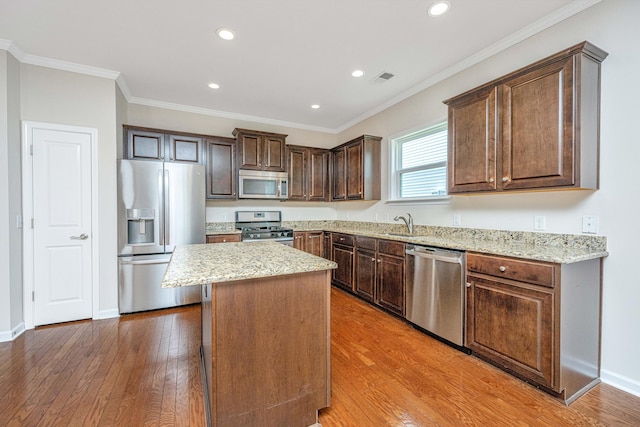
{"x": 419, "y": 164}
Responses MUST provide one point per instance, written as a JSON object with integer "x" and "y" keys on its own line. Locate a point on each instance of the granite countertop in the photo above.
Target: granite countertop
{"x": 225, "y": 262}
{"x": 550, "y": 247}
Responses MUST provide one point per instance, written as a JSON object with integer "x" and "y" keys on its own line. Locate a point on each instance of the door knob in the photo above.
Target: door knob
{"x": 83, "y": 236}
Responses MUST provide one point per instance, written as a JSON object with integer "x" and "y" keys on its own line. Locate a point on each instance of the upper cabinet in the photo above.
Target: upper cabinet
{"x": 260, "y": 150}
{"x": 308, "y": 173}
{"x": 153, "y": 144}
{"x": 221, "y": 168}
{"x": 356, "y": 169}
{"x": 536, "y": 128}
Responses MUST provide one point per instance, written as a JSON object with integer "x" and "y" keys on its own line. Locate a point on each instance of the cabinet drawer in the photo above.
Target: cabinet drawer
{"x": 391, "y": 247}
{"x": 223, "y": 238}
{"x": 343, "y": 239}
{"x": 363, "y": 242}
{"x": 535, "y": 272}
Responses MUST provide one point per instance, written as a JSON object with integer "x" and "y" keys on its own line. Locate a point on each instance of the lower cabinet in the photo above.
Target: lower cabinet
{"x": 309, "y": 241}
{"x": 380, "y": 273}
{"x": 537, "y": 320}
{"x": 223, "y": 238}
{"x": 343, "y": 254}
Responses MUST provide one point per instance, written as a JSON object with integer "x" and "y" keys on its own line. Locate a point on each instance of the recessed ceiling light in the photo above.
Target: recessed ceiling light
{"x": 358, "y": 73}
{"x": 315, "y": 106}
{"x": 225, "y": 34}
{"x": 439, "y": 8}
{"x": 214, "y": 86}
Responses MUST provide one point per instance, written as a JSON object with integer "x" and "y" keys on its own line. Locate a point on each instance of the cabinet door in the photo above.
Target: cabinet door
{"x": 391, "y": 287}
{"x": 338, "y": 158}
{"x": 538, "y": 128}
{"x": 354, "y": 173}
{"x": 250, "y": 151}
{"x": 273, "y": 150}
{"x": 314, "y": 243}
{"x": 365, "y": 274}
{"x": 473, "y": 129}
{"x": 185, "y": 149}
{"x": 514, "y": 327}
{"x": 318, "y": 175}
{"x": 296, "y": 165}
{"x": 298, "y": 240}
{"x": 145, "y": 145}
{"x": 343, "y": 275}
{"x": 221, "y": 169}
{"x": 327, "y": 245}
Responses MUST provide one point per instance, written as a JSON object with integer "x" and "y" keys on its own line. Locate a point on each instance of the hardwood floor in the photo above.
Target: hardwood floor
{"x": 144, "y": 369}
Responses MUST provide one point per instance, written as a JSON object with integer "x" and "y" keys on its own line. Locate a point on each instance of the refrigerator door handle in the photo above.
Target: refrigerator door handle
{"x": 167, "y": 208}
{"x": 161, "y": 207}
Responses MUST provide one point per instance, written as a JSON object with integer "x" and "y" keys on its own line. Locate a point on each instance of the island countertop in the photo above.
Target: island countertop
{"x": 224, "y": 262}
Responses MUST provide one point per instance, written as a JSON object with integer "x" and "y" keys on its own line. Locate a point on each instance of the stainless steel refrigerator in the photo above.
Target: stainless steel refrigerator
{"x": 160, "y": 205}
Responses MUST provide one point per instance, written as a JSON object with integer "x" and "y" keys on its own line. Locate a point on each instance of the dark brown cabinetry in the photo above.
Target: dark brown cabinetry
{"x": 308, "y": 173}
{"x": 223, "y": 238}
{"x": 356, "y": 169}
{"x": 221, "y": 168}
{"x": 540, "y": 321}
{"x": 154, "y": 144}
{"x": 380, "y": 273}
{"x": 309, "y": 241}
{"x": 535, "y": 128}
{"x": 260, "y": 150}
{"x": 343, "y": 254}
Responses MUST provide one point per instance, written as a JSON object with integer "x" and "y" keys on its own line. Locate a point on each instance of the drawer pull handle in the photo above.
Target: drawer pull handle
{"x": 503, "y": 268}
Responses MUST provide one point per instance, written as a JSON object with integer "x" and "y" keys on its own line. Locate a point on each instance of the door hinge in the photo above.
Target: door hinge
{"x": 31, "y": 149}
{"x": 31, "y": 222}
{"x": 33, "y": 296}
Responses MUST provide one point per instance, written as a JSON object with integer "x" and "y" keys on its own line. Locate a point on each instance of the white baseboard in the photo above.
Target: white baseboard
{"x": 618, "y": 381}
{"x": 107, "y": 314}
{"x": 12, "y": 334}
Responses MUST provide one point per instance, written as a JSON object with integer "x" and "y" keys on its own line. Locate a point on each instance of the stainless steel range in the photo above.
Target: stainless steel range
{"x": 263, "y": 225}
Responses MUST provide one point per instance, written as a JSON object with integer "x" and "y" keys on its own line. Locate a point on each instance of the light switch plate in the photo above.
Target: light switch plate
{"x": 590, "y": 224}
{"x": 539, "y": 222}
{"x": 456, "y": 219}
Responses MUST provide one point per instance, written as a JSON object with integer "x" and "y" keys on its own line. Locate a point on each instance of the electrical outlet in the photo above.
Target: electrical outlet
{"x": 19, "y": 221}
{"x": 590, "y": 224}
{"x": 224, "y": 217}
{"x": 456, "y": 219}
{"x": 539, "y": 222}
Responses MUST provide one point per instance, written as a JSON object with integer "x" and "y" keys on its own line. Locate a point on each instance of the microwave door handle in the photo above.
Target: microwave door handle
{"x": 160, "y": 207}
{"x": 279, "y": 188}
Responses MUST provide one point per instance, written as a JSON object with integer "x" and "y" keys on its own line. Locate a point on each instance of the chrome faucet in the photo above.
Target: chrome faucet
{"x": 407, "y": 222}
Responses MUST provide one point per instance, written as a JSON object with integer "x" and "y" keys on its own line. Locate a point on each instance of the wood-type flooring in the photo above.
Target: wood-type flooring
{"x": 144, "y": 369}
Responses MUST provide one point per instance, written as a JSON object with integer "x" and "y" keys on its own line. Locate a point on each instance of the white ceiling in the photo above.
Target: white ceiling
{"x": 288, "y": 54}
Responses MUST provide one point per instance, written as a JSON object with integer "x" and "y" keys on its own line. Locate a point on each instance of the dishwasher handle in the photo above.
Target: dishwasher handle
{"x": 454, "y": 258}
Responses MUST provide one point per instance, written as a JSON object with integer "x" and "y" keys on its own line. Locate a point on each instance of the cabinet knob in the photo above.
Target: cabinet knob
{"x": 505, "y": 178}
{"x": 491, "y": 179}
{"x": 342, "y": 239}
{"x": 503, "y": 268}
{"x": 468, "y": 285}
{"x": 373, "y": 260}
{"x": 379, "y": 260}
{"x": 224, "y": 240}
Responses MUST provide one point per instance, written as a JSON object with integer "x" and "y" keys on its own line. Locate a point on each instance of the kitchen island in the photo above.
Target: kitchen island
{"x": 265, "y": 330}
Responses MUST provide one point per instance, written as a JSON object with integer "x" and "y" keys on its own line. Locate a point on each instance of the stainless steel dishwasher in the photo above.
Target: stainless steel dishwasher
{"x": 436, "y": 291}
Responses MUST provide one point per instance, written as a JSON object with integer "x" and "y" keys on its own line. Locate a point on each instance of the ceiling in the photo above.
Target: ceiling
{"x": 287, "y": 55}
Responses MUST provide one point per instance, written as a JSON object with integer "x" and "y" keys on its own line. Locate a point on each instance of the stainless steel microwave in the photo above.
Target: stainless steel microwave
{"x": 262, "y": 185}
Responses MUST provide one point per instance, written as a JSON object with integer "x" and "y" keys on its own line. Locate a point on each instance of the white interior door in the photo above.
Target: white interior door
{"x": 62, "y": 226}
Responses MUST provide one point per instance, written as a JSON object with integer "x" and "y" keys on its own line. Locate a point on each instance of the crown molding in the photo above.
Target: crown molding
{"x": 550, "y": 20}
{"x": 227, "y": 115}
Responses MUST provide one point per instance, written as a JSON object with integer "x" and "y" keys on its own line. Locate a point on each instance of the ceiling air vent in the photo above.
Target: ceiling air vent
{"x": 383, "y": 77}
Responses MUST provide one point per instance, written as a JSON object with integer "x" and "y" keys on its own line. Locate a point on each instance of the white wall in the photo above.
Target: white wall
{"x": 11, "y": 313}
{"x": 613, "y": 26}
{"x": 63, "y": 97}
